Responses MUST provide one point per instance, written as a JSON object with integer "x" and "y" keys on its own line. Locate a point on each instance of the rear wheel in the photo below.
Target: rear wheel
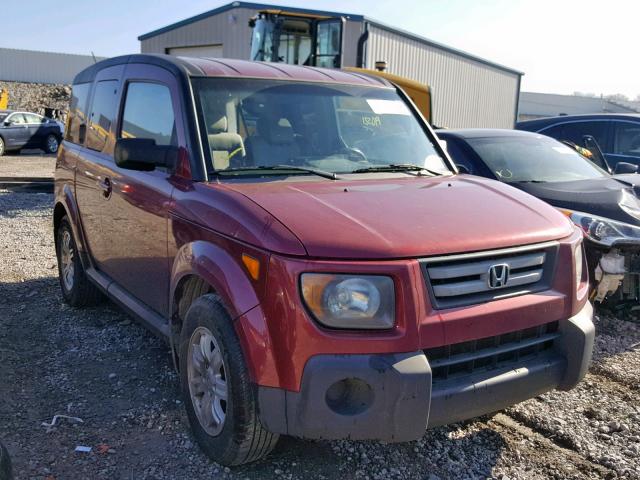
{"x": 77, "y": 289}
{"x": 51, "y": 144}
{"x": 220, "y": 398}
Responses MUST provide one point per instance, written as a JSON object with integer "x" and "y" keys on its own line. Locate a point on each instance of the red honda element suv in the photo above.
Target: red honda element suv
{"x": 310, "y": 253}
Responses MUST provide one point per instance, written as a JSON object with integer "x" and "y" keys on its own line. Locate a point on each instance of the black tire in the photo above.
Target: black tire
{"x": 5, "y": 464}
{"x": 242, "y": 438}
{"x": 51, "y": 143}
{"x": 78, "y": 291}
{"x": 2, "y": 147}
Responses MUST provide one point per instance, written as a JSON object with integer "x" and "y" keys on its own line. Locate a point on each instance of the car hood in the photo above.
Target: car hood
{"x": 405, "y": 217}
{"x": 598, "y": 196}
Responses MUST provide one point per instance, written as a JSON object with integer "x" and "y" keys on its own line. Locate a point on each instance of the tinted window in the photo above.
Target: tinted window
{"x": 103, "y": 109}
{"x": 148, "y": 113}
{"x": 626, "y": 139}
{"x": 459, "y": 156}
{"x": 555, "y": 132}
{"x": 533, "y": 159}
{"x": 575, "y": 131}
{"x": 77, "y": 112}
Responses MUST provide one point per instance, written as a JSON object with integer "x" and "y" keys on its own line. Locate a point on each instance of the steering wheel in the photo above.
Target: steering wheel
{"x": 356, "y": 154}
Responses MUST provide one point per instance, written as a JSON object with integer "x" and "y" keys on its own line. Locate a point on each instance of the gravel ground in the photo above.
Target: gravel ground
{"x": 29, "y": 163}
{"x": 99, "y": 365}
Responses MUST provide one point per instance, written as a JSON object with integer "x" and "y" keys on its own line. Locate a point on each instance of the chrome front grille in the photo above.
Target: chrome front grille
{"x": 488, "y": 353}
{"x": 459, "y": 280}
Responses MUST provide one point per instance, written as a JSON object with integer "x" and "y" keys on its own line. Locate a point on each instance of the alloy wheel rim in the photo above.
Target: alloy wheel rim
{"x": 1, "y": 146}
{"x": 52, "y": 144}
{"x": 66, "y": 260}
{"x": 207, "y": 380}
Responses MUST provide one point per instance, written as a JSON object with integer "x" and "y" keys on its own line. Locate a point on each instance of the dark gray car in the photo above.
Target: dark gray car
{"x": 20, "y": 130}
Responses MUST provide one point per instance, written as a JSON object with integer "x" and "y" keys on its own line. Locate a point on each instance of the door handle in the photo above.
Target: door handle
{"x": 106, "y": 187}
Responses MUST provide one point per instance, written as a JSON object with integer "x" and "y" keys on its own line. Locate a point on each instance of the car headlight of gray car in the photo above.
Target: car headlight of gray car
{"x": 604, "y": 231}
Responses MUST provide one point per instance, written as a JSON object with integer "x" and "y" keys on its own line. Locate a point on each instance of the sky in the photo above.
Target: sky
{"x": 562, "y": 46}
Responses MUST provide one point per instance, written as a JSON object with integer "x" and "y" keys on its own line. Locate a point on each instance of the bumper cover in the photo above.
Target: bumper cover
{"x": 391, "y": 397}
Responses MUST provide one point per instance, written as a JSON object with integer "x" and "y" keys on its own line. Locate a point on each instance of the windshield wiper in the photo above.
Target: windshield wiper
{"x": 396, "y": 167}
{"x": 530, "y": 181}
{"x": 296, "y": 168}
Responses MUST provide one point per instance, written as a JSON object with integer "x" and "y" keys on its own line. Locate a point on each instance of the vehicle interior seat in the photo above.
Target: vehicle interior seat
{"x": 274, "y": 142}
{"x": 227, "y": 146}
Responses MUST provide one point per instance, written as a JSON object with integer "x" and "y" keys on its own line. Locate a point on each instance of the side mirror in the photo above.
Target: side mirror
{"x": 143, "y": 154}
{"x": 7, "y": 123}
{"x": 625, "y": 167}
{"x": 462, "y": 168}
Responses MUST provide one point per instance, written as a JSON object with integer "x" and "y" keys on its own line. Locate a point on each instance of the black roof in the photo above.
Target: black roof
{"x": 534, "y": 125}
{"x": 484, "y": 133}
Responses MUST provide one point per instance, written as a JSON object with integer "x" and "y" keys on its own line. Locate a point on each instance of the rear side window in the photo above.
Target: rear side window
{"x": 103, "y": 110}
{"x": 32, "y": 118}
{"x": 77, "y": 113}
{"x": 148, "y": 113}
{"x": 626, "y": 139}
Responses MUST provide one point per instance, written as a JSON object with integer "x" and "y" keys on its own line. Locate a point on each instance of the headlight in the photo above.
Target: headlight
{"x": 577, "y": 260}
{"x": 604, "y": 231}
{"x": 629, "y": 203}
{"x": 350, "y": 301}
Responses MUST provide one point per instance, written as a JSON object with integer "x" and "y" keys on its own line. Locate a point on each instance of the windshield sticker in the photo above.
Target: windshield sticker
{"x": 371, "y": 121}
{"x": 388, "y": 107}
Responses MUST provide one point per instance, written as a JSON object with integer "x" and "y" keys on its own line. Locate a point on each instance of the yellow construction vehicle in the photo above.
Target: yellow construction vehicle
{"x": 317, "y": 40}
{"x": 4, "y": 99}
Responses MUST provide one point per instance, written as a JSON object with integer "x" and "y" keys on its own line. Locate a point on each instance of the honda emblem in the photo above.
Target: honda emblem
{"x": 498, "y": 275}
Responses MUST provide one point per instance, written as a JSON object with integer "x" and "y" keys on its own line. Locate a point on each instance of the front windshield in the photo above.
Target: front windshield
{"x": 533, "y": 159}
{"x": 332, "y": 127}
{"x": 3, "y": 116}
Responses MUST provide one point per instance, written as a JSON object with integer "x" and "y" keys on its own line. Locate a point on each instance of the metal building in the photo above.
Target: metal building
{"x": 468, "y": 91}
{"x": 31, "y": 66}
{"x": 539, "y": 105}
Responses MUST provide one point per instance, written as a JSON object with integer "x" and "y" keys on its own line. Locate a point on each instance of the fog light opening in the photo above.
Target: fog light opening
{"x": 349, "y": 396}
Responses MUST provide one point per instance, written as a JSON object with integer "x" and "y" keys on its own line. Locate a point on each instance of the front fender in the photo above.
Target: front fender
{"x": 219, "y": 269}
{"x": 239, "y": 293}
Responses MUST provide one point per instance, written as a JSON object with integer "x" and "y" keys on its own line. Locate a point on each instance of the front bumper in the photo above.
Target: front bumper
{"x": 394, "y": 397}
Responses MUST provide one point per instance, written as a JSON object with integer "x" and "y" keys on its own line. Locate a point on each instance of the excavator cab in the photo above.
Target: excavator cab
{"x": 318, "y": 41}
{"x": 297, "y": 39}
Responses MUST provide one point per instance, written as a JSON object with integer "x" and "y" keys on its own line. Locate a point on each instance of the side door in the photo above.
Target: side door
{"x": 36, "y": 129}
{"x": 328, "y": 43}
{"x": 16, "y": 132}
{"x": 94, "y": 166}
{"x": 138, "y": 227}
{"x": 625, "y": 147}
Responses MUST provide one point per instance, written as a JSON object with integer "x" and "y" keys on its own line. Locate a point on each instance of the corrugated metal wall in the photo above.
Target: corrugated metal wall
{"x": 231, "y": 29}
{"x": 466, "y": 93}
{"x": 41, "y": 67}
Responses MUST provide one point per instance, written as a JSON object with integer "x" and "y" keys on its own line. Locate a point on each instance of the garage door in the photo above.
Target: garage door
{"x": 214, "y": 51}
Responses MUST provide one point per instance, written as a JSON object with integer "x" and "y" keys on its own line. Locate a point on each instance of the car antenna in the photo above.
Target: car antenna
{"x": 94, "y": 57}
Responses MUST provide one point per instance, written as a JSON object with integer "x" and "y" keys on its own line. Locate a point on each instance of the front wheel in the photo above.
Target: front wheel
{"x": 51, "y": 144}
{"x": 2, "y": 147}
{"x": 220, "y": 398}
